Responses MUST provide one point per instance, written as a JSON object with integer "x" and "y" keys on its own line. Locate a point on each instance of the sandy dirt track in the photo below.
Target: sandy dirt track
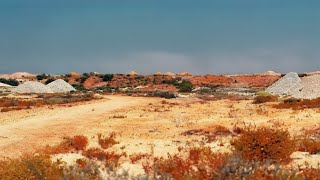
{"x": 141, "y": 123}
{"x": 25, "y": 131}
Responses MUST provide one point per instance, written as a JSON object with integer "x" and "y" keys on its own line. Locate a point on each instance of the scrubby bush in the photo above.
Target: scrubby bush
{"x": 86, "y": 74}
{"x": 265, "y": 143}
{"x": 30, "y": 167}
{"x": 309, "y": 145}
{"x": 107, "y": 77}
{"x": 237, "y": 168}
{"x": 185, "y": 86}
{"x": 106, "y": 142}
{"x": 264, "y": 99}
{"x": 69, "y": 144}
{"x": 41, "y": 77}
{"x": 11, "y": 82}
{"x": 83, "y": 79}
{"x": 297, "y": 104}
{"x": 79, "y": 87}
{"x": 49, "y": 80}
{"x": 167, "y": 95}
{"x": 201, "y": 163}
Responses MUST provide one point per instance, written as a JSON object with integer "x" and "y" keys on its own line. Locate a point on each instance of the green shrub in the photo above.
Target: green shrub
{"x": 185, "y": 86}
{"x": 11, "y": 82}
{"x": 167, "y": 95}
{"x": 41, "y": 76}
{"x": 49, "y": 80}
{"x": 79, "y": 87}
{"x": 107, "y": 77}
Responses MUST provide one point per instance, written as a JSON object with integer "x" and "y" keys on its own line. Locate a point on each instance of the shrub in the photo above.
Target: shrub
{"x": 107, "y": 77}
{"x": 30, "y": 167}
{"x": 110, "y": 158}
{"x": 263, "y": 143}
{"x": 297, "y": 104}
{"x": 185, "y": 86}
{"x": 167, "y": 95}
{"x": 69, "y": 144}
{"x": 201, "y": 163}
{"x": 309, "y": 141}
{"x": 83, "y": 79}
{"x": 11, "y": 82}
{"x": 107, "y": 142}
{"x": 86, "y": 74}
{"x": 309, "y": 145}
{"x": 310, "y": 173}
{"x": 49, "y": 80}
{"x": 264, "y": 99}
{"x": 237, "y": 168}
{"x": 41, "y": 77}
{"x": 79, "y": 87}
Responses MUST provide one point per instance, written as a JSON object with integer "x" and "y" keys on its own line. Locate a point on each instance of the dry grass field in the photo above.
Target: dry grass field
{"x": 141, "y": 131}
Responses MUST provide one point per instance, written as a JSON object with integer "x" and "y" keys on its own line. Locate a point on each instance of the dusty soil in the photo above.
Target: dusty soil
{"x": 142, "y": 122}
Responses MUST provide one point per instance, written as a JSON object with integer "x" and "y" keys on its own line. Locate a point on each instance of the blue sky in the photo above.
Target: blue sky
{"x": 202, "y": 37}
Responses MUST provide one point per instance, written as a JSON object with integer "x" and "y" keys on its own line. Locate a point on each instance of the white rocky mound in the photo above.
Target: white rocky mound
{"x": 290, "y": 84}
{"x": 311, "y": 87}
{"x": 60, "y": 86}
{"x": 4, "y": 85}
{"x": 32, "y": 87}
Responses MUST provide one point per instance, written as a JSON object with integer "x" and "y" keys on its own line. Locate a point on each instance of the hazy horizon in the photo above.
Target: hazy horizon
{"x": 201, "y": 37}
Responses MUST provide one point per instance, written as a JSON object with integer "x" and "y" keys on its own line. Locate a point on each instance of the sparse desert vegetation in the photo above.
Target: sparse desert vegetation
{"x": 184, "y": 138}
{"x": 137, "y": 130}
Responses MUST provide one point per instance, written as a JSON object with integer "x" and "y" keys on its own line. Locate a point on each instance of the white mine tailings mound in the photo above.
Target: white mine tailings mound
{"x": 311, "y": 87}
{"x": 32, "y": 87}
{"x": 60, "y": 86}
{"x": 4, "y": 85}
{"x": 290, "y": 84}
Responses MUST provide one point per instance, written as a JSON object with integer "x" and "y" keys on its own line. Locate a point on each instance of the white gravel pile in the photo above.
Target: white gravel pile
{"x": 290, "y": 85}
{"x": 311, "y": 87}
{"x": 60, "y": 86}
{"x": 32, "y": 87}
{"x": 5, "y": 85}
